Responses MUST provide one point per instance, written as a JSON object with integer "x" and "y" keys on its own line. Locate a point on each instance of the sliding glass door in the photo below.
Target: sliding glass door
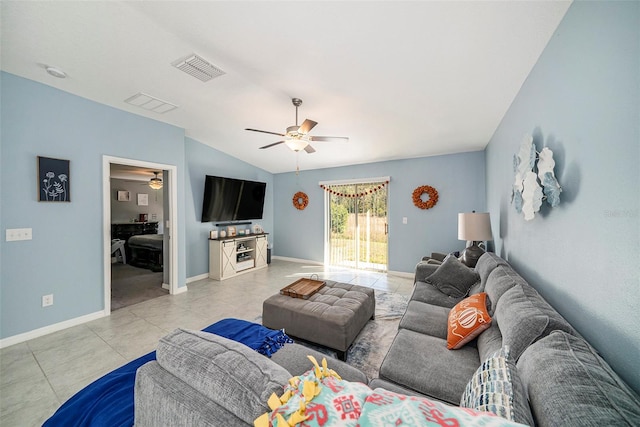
{"x": 357, "y": 225}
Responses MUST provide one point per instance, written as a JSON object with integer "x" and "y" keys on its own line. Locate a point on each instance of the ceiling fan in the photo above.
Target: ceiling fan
{"x": 155, "y": 183}
{"x": 297, "y": 137}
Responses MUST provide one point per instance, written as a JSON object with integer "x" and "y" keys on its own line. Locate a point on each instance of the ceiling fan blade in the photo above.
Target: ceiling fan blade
{"x": 329, "y": 138}
{"x": 271, "y": 145}
{"x": 306, "y": 126}
{"x": 265, "y": 131}
{"x": 309, "y": 149}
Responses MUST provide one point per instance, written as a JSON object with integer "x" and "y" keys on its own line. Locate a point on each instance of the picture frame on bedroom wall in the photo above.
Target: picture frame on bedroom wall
{"x": 143, "y": 199}
{"x": 124, "y": 196}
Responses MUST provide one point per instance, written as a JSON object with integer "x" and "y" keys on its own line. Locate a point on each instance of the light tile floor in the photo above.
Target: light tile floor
{"x": 37, "y": 376}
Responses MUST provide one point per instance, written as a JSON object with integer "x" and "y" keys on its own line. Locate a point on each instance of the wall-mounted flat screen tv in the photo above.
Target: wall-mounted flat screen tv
{"x": 230, "y": 199}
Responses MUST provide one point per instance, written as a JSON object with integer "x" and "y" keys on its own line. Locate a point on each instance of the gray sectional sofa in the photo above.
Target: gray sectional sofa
{"x": 202, "y": 379}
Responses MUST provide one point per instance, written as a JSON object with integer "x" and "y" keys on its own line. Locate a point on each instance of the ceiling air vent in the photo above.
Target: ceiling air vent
{"x": 198, "y": 67}
{"x": 150, "y": 103}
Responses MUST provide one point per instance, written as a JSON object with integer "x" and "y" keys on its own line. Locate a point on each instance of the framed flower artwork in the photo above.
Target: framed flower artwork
{"x": 54, "y": 181}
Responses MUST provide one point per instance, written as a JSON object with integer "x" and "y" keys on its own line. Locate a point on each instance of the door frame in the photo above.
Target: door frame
{"x": 327, "y": 212}
{"x": 170, "y": 225}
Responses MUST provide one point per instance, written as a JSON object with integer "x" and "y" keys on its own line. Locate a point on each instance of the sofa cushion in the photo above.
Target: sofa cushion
{"x": 486, "y": 264}
{"x": 425, "y": 318}
{"x": 524, "y": 317}
{"x": 500, "y": 280}
{"x": 427, "y": 293}
{"x": 489, "y": 341}
{"x": 453, "y": 278}
{"x": 467, "y": 320}
{"x": 227, "y": 372}
{"x": 496, "y": 387}
{"x": 423, "y": 363}
{"x": 396, "y": 388}
{"x": 569, "y": 384}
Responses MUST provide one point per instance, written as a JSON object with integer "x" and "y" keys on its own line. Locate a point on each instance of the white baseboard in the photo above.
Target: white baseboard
{"x": 166, "y": 286}
{"x": 181, "y": 290}
{"x": 198, "y": 277}
{"x": 36, "y": 333}
{"x": 298, "y": 260}
{"x": 401, "y": 274}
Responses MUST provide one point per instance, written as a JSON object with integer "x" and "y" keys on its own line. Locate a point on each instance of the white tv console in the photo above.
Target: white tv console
{"x": 231, "y": 256}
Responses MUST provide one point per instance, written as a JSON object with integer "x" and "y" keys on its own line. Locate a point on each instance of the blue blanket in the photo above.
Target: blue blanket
{"x": 108, "y": 401}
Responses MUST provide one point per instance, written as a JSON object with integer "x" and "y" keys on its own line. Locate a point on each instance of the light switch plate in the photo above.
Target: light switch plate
{"x": 15, "y": 234}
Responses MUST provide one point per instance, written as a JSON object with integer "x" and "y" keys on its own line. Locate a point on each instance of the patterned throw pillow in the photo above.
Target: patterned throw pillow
{"x": 467, "y": 319}
{"x": 495, "y": 387}
{"x": 385, "y": 408}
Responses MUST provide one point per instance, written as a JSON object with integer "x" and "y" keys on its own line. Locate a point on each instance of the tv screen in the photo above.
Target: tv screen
{"x": 229, "y": 199}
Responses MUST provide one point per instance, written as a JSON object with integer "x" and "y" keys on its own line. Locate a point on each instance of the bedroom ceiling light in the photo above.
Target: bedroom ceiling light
{"x": 155, "y": 183}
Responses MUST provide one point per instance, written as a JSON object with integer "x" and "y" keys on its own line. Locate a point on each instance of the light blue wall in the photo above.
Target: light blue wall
{"x": 457, "y": 177}
{"x": 65, "y": 257}
{"x": 582, "y": 100}
{"x": 203, "y": 160}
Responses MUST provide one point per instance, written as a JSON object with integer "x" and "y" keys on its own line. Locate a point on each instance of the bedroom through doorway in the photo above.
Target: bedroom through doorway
{"x": 137, "y": 234}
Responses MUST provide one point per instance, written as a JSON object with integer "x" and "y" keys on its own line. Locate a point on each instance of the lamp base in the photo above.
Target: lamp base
{"x": 471, "y": 255}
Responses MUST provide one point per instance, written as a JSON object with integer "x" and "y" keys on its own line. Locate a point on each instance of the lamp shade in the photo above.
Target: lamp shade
{"x": 475, "y": 227}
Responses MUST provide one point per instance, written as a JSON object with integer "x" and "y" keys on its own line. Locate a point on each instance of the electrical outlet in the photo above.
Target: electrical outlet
{"x": 404, "y": 219}
{"x": 47, "y": 300}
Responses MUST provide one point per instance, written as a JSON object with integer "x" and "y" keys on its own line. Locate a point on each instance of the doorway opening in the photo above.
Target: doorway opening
{"x": 140, "y": 244}
{"x": 357, "y": 226}
{"x": 137, "y": 235}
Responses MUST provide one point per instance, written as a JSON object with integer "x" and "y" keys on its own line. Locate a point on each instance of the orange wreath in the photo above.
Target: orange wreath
{"x": 417, "y": 197}
{"x": 300, "y": 200}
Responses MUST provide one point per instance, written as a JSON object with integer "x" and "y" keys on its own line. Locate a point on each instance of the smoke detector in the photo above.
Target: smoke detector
{"x": 56, "y": 72}
{"x": 198, "y": 67}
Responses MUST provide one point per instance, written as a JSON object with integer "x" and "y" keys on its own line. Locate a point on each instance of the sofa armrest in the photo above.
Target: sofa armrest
{"x": 424, "y": 269}
{"x": 435, "y": 256}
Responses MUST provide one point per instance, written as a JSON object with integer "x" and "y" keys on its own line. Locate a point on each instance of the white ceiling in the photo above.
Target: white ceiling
{"x": 400, "y": 79}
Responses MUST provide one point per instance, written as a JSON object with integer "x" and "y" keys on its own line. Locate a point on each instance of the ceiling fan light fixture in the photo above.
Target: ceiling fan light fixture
{"x": 296, "y": 144}
{"x": 155, "y": 183}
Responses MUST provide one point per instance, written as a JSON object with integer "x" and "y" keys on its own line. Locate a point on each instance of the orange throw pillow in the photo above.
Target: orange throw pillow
{"x": 467, "y": 320}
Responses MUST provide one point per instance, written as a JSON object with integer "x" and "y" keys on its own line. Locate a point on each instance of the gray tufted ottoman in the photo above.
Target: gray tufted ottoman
{"x": 332, "y": 317}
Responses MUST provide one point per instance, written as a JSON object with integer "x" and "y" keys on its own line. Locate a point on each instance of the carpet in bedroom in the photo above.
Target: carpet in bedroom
{"x": 131, "y": 285}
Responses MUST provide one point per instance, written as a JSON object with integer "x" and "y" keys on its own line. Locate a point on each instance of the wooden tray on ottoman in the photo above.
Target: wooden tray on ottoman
{"x": 302, "y": 288}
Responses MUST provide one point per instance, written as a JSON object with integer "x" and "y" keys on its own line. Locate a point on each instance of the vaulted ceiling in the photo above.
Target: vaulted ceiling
{"x": 400, "y": 79}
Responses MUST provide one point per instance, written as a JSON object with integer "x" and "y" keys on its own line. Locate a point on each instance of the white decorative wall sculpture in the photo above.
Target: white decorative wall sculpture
{"x": 530, "y": 189}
